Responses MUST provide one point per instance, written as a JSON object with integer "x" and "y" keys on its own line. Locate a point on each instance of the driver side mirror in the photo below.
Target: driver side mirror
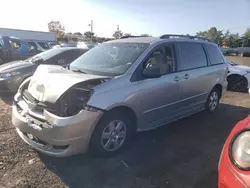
{"x": 151, "y": 72}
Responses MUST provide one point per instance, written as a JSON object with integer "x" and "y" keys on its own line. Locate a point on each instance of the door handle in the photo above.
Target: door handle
{"x": 186, "y": 76}
{"x": 177, "y": 78}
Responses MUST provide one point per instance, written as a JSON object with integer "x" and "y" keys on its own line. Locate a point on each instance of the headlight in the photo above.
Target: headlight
{"x": 240, "y": 150}
{"x": 9, "y": 74}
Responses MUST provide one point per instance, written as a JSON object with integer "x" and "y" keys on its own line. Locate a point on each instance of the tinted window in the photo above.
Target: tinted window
{"x": 214, "y": 54}
{"x": 69, "y": 55}
{"x": 192, "y": 56}
{"x": 45, "y": 55}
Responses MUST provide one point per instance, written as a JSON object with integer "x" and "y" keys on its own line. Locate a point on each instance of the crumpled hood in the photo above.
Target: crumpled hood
{"x": 14, "y": 66}
{"x": 50, "y": 81}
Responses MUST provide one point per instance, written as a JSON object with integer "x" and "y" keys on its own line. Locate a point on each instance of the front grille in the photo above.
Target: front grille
{"x": 38, "y": 106}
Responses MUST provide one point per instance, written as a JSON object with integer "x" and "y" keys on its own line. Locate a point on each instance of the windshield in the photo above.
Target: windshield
{"x": 44, "y": 56}
{"x": 109, "y": 59}
{"x": 44, "y": 45}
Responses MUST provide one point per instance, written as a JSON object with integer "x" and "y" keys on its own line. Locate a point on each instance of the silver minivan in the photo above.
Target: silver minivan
{"x": 115, "y": 89}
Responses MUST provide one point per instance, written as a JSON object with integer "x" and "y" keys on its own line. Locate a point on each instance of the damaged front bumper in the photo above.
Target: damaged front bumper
{"x": 51, "y": 134}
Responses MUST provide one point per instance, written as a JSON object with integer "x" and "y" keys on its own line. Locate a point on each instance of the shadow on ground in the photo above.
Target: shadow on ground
{"x": 181, "y": 154}
{"x": 7, "y": 98}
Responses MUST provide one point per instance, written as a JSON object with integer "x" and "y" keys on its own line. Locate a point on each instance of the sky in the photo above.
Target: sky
{"x": 154, "y": 17}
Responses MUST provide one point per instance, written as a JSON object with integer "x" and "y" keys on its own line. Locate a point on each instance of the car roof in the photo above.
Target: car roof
{"x": 134, "y": 40}
{"x": 151, "y": 40}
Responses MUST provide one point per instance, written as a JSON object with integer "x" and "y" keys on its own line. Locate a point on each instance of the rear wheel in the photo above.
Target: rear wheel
{"x": 213, "y": 100}
{"x": 111, "y": 134}
{"x": 237, "y": 83}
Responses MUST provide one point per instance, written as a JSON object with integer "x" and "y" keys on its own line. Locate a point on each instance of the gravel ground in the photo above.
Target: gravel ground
{"x": 182, "y": 154}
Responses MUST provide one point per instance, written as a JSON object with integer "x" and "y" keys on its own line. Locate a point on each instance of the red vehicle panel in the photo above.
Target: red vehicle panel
{"x": 230, "y": 176}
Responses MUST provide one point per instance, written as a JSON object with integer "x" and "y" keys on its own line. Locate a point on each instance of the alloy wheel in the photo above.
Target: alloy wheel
{"x": 213, "y": 101}
{"x": 113, "y": 135}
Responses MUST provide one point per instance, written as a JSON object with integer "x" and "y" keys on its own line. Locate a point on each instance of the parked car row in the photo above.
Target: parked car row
{"x": 12, "y": 48}
{"x": 243, "y": 51}
{"x": 12, "y": 74}
{"x": 40, "y": 46}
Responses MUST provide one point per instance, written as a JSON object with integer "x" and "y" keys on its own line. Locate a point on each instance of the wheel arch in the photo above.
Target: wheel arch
{"x": 128, "y": 111}
{"x": 219, "y": 87}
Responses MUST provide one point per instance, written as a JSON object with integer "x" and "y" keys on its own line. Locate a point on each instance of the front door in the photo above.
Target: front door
{"x": 156, "y": 99}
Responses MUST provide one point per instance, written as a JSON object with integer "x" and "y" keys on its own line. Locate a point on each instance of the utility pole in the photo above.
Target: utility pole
{"x": 91, "y": 29}
{"x": 117, "y": 27}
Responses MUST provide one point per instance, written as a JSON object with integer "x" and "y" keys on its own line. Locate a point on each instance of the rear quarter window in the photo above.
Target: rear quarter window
{"x": 214, "y": 54}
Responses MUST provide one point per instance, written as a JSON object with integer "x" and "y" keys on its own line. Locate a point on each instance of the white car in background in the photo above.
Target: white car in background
{"x": 238, "y": 77}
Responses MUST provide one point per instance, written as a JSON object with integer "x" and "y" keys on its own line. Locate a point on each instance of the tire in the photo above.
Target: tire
{"x": 213, "y": 100}
{"x": 111, "y": 134}
{"x": 237, "y": 83}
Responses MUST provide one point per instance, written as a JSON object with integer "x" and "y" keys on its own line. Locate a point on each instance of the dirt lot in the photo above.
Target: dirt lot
{"x": 182, "y": 154}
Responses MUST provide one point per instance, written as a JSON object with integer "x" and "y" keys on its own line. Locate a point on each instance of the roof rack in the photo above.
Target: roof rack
{"x": 125, "y": 37}
{"x": 167, "y": 36}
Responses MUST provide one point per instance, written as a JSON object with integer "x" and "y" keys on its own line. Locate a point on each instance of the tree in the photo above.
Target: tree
{"x": 212, "y": 34}
{"x": 117, "y": 34}
{"x": 78, "y": 33}
{"x": 57, "y": 27}
{"x": 89, "y": 35}
{"x": 145, "y": 35}
{"x": 247, "y": 34}
{"x": 75, "y": 39}
{"x": 127, "y": 34}
{"x": 246, "y": 38}
{"x": 231, "y": 40}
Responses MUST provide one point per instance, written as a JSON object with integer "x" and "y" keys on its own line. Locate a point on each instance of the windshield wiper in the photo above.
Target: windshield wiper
{"x": 79, "y": 71}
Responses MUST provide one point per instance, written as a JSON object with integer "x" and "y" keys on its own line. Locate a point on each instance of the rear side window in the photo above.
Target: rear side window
{"x": 15, "y": 44}
{"x": 33, "y": 44}
{"x": 214, "y": 54}
{"x": 192, "y": 55}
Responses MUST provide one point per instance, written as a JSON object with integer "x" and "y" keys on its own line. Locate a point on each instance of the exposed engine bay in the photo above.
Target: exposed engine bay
{"x": 75, "y": 99}
{"x": 65, "y": 94}
{"x": 69, "y": 103}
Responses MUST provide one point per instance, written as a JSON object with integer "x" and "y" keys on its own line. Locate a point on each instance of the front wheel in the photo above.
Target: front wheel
{"x": 213, "y": 100}
{"x": 111, "y": 134}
